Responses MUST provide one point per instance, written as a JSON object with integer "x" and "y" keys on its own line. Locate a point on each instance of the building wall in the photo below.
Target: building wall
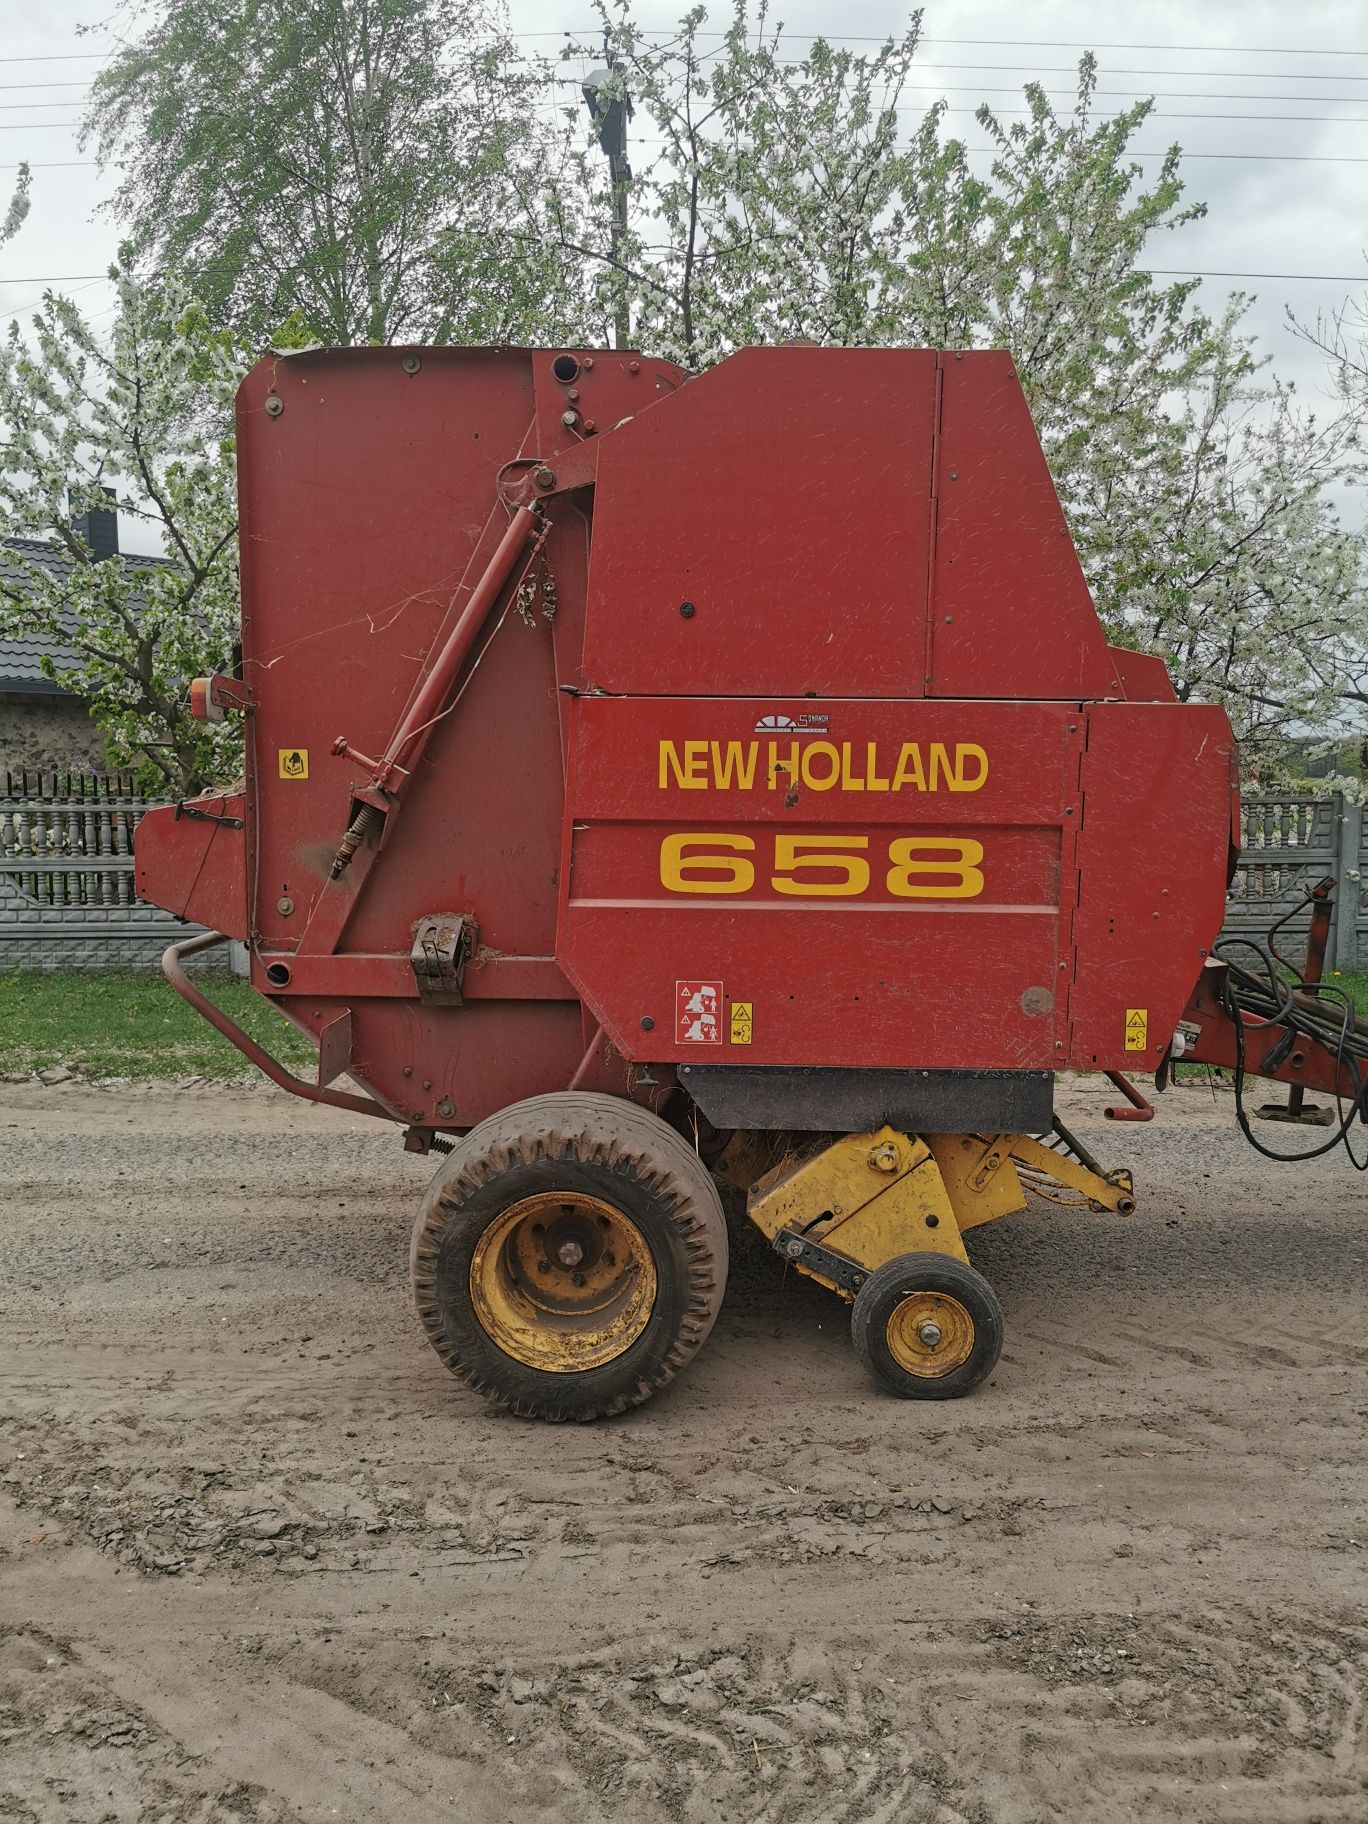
{"x": 47, "y": 734}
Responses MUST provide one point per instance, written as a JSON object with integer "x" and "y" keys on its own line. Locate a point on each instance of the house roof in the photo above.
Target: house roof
{"x": 21, "y": 656}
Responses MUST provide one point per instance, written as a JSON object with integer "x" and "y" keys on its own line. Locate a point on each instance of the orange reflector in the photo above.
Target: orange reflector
{"x": 202, "y": 706}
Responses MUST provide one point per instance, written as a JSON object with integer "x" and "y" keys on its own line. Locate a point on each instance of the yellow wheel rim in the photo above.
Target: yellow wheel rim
{"x": 930, "y": 1334}
{"x": 562, "y": 1282}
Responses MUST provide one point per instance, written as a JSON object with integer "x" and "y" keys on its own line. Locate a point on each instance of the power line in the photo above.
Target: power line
{"x": 60, "y": 164}
{"x": 975, "y": 88}
{"x": 1232, "y": 50}
{"x": 59, "y": 57}
{"x": 1317, "y": 278}
{"x": 1343, "y": 120}
{"x": 924, "y": 88}
{"x": 1330, "y": 120}
{"x": 1258, "y": 158}
{"x": 1262, "y": 158}
{"x": 1164, "y": 272}
{"x": 1067, "y": 69}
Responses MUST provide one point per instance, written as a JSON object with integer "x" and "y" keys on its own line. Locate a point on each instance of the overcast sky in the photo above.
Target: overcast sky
{"x": 1226, "y": 75}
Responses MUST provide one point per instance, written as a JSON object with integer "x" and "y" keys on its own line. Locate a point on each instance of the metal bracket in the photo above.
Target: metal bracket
{"x": 443, "y": 944}
{"x": 197, "y": 816}
{"x": 840, "y": 1270}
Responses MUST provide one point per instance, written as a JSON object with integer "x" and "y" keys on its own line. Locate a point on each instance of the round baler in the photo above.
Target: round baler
{"x": 654, "y": 781}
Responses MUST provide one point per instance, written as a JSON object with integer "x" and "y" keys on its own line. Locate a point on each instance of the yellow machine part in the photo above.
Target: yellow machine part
{"x": 871, "y": 1197}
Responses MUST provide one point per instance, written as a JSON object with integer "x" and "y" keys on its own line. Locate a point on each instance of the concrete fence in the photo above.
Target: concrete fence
{"x": 67, "y": 902}
{"x": 1289, "y": 844}
{"x": 66, "y": 875}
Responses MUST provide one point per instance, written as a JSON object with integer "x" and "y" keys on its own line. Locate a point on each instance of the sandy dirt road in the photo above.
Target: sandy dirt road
{"x": 260, "y": 1559}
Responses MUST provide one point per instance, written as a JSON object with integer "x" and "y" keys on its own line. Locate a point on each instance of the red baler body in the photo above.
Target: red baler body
{"x": 799, "y": 743}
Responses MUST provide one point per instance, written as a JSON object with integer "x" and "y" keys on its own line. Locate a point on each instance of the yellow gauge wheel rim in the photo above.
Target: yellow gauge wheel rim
{"x": 930, "y": 1334}
{"x": 562, "y": 1282}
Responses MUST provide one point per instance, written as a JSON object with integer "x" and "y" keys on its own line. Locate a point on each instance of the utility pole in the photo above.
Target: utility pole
{"x": 610, "y": 108}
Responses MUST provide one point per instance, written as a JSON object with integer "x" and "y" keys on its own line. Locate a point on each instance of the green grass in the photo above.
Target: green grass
{"x": 1357, "y": 986}
{"x": 134, "y": 1025}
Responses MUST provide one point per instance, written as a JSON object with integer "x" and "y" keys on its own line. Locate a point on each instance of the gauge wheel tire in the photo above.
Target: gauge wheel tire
{"x": 927, "y": 1327}
{"x": 570, "y": 1257}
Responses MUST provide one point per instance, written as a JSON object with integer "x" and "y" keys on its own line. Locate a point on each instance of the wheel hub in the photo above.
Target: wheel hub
{"x": 930, "y": 1334}
{"x": 562, "y": 1282}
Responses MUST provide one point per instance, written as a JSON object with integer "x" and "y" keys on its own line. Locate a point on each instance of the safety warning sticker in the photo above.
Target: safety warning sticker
{"x": 294, "y": 762}
{"x": 698, "y": 1013}
{"x": 741, "y": 1022}
{"x": 1137, "y": 1028}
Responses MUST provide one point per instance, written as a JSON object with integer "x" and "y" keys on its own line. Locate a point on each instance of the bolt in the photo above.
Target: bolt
{"x": 634, "y": 367}
{"x": 543, "y": 1266}
{"x": 573, "y": 393}
{"x": 687, "y": 610}
{"x": 411, "y": 364}
{"x": 545, "y": 478}
{"x": 793, "y": 1249}
{"x": 569, "y": 420}
{"x": 284, "y": 906}
{"x": 570, "y": 1252}
{"x": 577, "y": 1279}
{"x": 646, "y": 1022}
{"x": 446, "y": 1108}
{"x": 275, "y": 405}
{"x": 930, "y": 1335}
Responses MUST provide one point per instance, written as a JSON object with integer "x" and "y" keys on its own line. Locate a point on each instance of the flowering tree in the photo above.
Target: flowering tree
{"x": 18, "y": 208}
{"x": 147, "y": 410}
{"x": 779, "y": 197}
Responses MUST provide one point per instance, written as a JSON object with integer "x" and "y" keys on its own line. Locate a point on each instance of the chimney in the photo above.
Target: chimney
{"x": 99, "y": 527}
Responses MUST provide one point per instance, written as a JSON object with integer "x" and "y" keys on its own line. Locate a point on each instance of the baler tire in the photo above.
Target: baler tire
{"x": 913, "y": 1292}
{"x": 602, "y": 1154}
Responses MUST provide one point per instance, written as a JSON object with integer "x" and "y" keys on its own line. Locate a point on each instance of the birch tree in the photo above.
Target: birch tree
{"x": 345, "y": 164}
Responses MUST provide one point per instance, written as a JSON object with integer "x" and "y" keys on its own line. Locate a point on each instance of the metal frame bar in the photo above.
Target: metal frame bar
{"x": 173, "y": 968}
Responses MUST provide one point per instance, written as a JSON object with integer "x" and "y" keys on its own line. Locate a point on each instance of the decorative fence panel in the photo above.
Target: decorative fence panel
{"x": 66, "y": 876}
{"x": 1290, "y": 843}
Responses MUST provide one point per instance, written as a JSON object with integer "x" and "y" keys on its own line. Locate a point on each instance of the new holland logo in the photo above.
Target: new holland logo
{"x": 810, "y": 720}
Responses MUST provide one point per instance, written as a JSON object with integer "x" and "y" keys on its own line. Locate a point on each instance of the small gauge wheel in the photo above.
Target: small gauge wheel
{"x": 927, "y": 1326}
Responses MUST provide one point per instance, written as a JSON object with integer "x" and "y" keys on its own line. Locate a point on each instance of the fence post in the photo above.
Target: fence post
{"x": 1344, "y": 950}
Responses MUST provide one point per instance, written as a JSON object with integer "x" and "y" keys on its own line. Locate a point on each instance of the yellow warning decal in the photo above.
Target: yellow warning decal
{"x": 741, "y": 1023}
{"x": 294, "y": 762}
{"x": 1137, "y": 1028}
